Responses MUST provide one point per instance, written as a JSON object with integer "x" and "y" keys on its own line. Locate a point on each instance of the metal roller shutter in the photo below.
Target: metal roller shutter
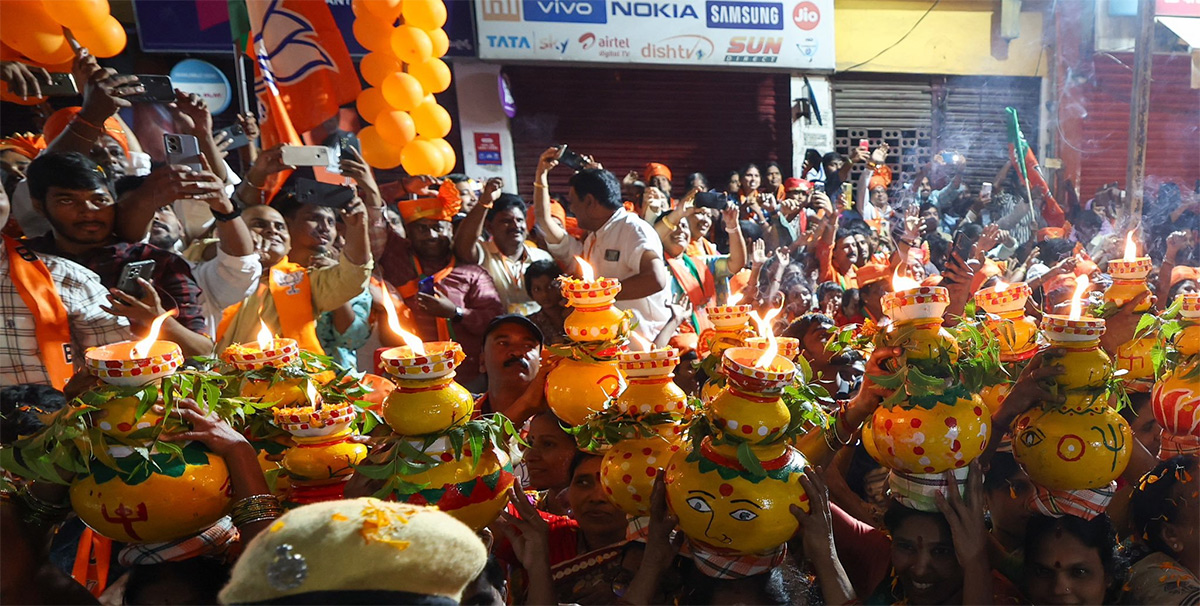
{"x": 895, "y": 111}
{"x": 711, "y": 122}
{"x": 973, "y": 122}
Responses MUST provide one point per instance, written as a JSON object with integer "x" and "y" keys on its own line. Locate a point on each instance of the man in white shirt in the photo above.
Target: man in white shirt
{"x": 621, "y": 245}
{"x": 506, "y": 255}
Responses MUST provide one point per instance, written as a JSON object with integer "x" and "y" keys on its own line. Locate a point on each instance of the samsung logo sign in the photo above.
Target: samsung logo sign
{"x": 744, "y": 15}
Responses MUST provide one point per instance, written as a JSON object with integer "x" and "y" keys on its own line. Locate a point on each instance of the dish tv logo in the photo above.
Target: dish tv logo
{"x": 685, "y": 47}
{"x": 566, "y": 11}
{"x": 744, "y": 15}
{"x": 501, "y": 10}
{"x": 754, "y": 49}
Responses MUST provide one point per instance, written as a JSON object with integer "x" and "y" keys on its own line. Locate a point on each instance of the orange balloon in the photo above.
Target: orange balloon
{"x": 26, "y": 27}
{"x": 359, "y": 8}
{"x": 377, "y": 66}
{"x": 402, "y": 91}
{"x": 371, "y": 103}
{"x": 396, "y": 127}
{"x": 373, "y": 34}
{"x": 422, "y": 157}
{"x": 377, "y": 151}
{"x": 411, "y": 44}
{"x": 431, "y": 120}
{"x": 432, "y": 73}
{"x": 386, "y": 10}
{"x": 107, "y": 40}
{"x": 78, "y": 14}
{"x": 425, "y": 14}
{"x": 449, "y": 159}
{"x": 440, "y": 41}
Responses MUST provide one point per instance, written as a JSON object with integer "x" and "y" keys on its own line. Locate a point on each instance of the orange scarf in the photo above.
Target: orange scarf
{"x": 291, "y": 290}
{"x": 412, "y": 287}
{"x": 34, "y": 284}
{"x": 698, "y": 283}
{"x": 92, "y": 559}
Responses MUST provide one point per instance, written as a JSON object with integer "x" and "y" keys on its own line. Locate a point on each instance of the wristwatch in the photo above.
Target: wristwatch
{"x": 238, "y": 207}
{"x": 458, "y": 314}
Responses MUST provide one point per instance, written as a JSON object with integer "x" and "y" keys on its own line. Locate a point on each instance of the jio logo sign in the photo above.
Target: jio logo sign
{"x": 807, "y": 16}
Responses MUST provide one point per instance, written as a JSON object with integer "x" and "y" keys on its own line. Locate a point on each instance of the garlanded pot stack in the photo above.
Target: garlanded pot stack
{"x": 1015, "y": 332}
{"x": 1176, "y": 397}
{"x": 731, "y": 328}
{"x": 1082, "y": 443}
{"x": 324, "y": 454}
{"x": 587, "y": 377}
{"x": 642, "y": 429}
{"x": 934, "y": 421}
{"x": 1129, "y": 281}
{"x": 130, "y": 486}
{"x": 440, "y": 456}
{"x": 731, "y": 487}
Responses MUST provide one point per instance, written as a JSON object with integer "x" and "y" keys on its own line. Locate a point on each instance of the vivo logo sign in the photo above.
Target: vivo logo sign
{"x": 566, "y": 11}
{"x": 744, "y": 15}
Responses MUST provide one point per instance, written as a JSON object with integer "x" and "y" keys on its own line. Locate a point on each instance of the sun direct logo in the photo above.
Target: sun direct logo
{"x": 754, "y": 49}
{"x": 806, "y": 16}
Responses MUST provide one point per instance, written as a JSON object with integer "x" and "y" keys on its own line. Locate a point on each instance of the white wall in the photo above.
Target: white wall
{"x": 479, "y": 111}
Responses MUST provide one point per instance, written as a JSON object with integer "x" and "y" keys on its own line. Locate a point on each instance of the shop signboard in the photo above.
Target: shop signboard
{"x": 782, "y": 34}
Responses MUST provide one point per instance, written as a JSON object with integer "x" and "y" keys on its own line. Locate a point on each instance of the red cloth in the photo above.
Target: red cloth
{"x": 865, "y": 552}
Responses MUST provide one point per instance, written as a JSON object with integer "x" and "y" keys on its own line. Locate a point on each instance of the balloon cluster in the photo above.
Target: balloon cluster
{"x": 404, "y": 70}
{"x": 34, "y": 28}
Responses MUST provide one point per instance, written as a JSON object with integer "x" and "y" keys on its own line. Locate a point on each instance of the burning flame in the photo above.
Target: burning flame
{"x": 734, "y": 299}
{"x": 585, "y": 270}
{"x": 265, "y": 338}
{"x": 1081, "y": 286}
{"x": 393, "y": 321}
{"x": 310, "y": 392}
{"x": 764, "y": 329}
{"x": 1001, "y": 285}
{"x": 641, "y": 341}
{"x": 141, "y": 349}
{"x": 900, "y": 282}
{"x": 1130, "y": 247}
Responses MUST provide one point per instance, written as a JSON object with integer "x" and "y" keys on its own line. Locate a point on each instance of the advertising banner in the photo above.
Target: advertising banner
{"x": 764, "y": 34}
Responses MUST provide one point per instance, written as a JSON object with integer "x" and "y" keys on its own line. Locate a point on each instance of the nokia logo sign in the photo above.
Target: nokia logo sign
{"x": 722, "y": 14}
{"x": 665, "y": 10}
{"x": 565, "y": 11}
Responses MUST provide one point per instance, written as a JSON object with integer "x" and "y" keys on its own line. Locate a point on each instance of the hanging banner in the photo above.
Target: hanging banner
{"x": 791, "y": 34}
{"x": 487, "y": 148}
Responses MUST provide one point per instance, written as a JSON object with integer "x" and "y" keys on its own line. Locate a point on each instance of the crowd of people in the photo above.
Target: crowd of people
{"x": 479, "y": 262}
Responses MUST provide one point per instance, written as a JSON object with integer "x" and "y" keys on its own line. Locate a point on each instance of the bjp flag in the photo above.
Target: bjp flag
{"x": 302, "y": 65}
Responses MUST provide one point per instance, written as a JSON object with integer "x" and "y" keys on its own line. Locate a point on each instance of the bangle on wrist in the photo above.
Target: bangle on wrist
{"x": 256, "y": 508}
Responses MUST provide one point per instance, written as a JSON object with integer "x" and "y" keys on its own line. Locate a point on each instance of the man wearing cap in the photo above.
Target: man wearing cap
{"x": 450, "y": 301}
{"x": 620, "y": 245}
{"x": 516, "y": 381}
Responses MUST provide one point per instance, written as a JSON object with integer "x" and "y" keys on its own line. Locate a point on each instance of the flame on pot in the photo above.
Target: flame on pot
{"x": 764, "y": 329}
{"x": 264, "y": 338}
{"x": 900, "y": 282}
{"x": 641, "y": 341}
{"x": 1001, "y": 285}
{"x": 1081, "y": 286}
{"x": 1130, "y": 247}
{"x": 310, "y": 393}
{"x": 585, "y": 270}
{"x": 393, "y": 321}
{"x": 734, "y": 299}
{"x": 141, "y": 349}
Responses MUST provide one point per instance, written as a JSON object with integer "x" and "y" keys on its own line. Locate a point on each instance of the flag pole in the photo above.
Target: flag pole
{"x": 239, "y": 71}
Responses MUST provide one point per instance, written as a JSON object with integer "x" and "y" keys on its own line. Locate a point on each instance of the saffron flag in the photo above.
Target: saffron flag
{"x": 1030, "y": 173}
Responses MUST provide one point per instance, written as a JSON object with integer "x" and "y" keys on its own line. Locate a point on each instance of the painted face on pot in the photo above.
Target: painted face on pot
{"x": 734, "y": 514}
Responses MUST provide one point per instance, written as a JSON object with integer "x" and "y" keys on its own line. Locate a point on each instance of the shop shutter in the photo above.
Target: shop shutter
{"x": 971, "y": 120}
{"x": 1174, "y": 128}
{"x": 711, "y": 122}
{"x": 898, "y": 111}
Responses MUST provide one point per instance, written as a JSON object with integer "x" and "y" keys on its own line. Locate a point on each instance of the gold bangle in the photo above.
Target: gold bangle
{"x": 536, "y": 185}
{"x": 255, "y": 508}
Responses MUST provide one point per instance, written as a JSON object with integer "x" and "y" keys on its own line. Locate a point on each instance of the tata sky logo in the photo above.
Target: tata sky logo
{"x": 662, "y": 10}
{"x": 806, "y": 16}
{"x": 744, "y": 15}
{"x": 566, "y": 11}
{"x": 685, "y": 47}
{"x": 754, "y": 49}
{"x": 551, "y": 43}
{"x": 508, "y": 42}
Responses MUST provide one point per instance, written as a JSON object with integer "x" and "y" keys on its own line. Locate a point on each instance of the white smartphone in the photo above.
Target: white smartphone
{"x": 985, "y": 190}
{"x": 305, "y": 155}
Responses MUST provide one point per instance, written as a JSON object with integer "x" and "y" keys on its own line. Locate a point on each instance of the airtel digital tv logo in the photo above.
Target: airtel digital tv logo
{"x": 806, "y": 16}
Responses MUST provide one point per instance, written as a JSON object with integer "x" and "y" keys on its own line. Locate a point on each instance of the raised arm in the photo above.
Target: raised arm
{"x": 470, "y": 231}
{"x": 737, "y": 244}
{"x": 541, "y": 197}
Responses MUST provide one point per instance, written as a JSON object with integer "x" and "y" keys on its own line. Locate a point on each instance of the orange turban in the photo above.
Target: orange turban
{"x": 872, "y": 273}
{"x": 881, "y": 178}
{"x": 58, "y": 121}
{"x": 1050, "y": 233}
{"x": 1183, "y": 272}
{"x": 654, "y": 169}
{"x": 442, "y": 208}
{"x": 26, "y": 144}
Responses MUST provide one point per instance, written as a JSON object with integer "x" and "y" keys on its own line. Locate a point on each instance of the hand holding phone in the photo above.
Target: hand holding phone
{"x": 570, "y": 158}
{"x": 157, "y": 89}
{"x": 309, "y": 191}
{"x": 183, "y": 149}
{"x": 305, "y": 155}
{"x": 128, "y": 281}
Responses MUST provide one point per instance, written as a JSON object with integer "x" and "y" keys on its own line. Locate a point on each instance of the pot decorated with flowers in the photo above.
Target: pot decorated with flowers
{"x": 1015, "y": 333}
{"x": 1175, "y": 400}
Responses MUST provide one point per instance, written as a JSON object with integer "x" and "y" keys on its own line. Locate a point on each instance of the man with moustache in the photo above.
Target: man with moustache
{"x": 516, "y": 378}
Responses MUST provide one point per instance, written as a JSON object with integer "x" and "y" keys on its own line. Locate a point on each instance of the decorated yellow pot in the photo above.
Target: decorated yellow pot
{"x": 931, "y": 434}
{"x": 577, "y": 389}
{"x": 1076, "y": 446}
{"x": 1016, "y": 333}
{"x": 731, "y": 328}
{"x": 651, "y": 388}
{"x": 993, "y": 396}
{"x": 1085, "y": 363}
{"x": 1134, "y": 358}
{"x": 789, "y": 347}
{"x": 123, "y": 364}
{"x": 1129, "y": 281}
{"x": 181, "y": 498}
{"x": 730, "y": 510}
{"x": 629, "y": 468}
{"x": 594, "y": 318}
{"x": 1176, "y": 396}
{"x": 750, "y": 408}
{"x": 426, "y": 398}
{"x": 246, "y": 357}
{"x": 916, "y": 326}
{"x": 323, "y": 460}
{"x": 474, "y": 493}
{"x": 120, "y": 418}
